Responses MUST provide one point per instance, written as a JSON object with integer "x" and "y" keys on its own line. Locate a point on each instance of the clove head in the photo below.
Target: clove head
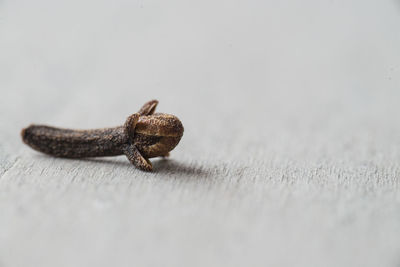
{"x": 150, "y": 135}
{"x": 157, "y": 134}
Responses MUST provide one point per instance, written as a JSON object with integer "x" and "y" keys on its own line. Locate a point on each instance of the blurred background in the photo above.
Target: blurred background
{"x": 291, "y": 145}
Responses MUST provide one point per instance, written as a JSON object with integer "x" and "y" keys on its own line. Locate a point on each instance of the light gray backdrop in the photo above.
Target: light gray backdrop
{"x": 291, "y": 151}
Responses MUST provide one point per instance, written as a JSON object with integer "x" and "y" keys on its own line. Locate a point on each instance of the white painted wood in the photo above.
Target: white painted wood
{"x": 291, "y": 149}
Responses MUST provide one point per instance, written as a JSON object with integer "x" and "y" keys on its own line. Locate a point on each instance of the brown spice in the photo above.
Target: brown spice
{"x": 144, "y": 135}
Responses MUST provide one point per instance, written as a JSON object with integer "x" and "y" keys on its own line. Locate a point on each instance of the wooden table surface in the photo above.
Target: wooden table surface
{"x": 291, "y": 150}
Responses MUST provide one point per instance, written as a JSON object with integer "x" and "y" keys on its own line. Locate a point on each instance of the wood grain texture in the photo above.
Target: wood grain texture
{"x": 291, "y": 152}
